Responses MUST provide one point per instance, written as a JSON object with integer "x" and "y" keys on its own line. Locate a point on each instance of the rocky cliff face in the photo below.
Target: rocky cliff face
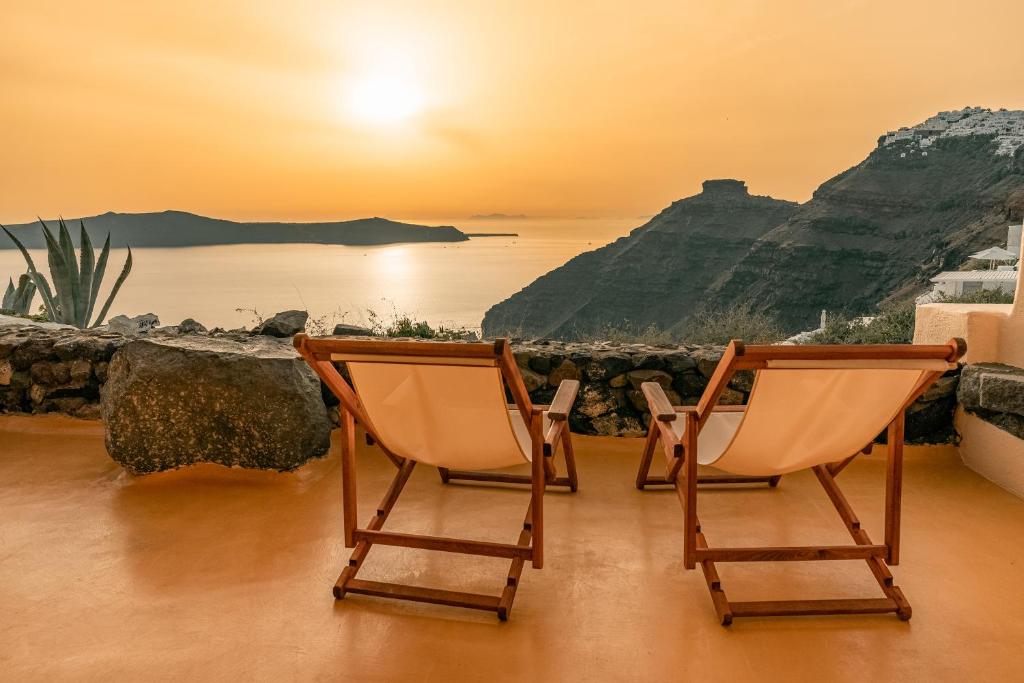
{"x": 881, "y": 229}
{"x": 658, "y": 274}
{"x": 923, "y": 200}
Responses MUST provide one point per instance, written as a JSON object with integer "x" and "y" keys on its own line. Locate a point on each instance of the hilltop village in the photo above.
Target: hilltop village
{"x": 1007, "y": 127}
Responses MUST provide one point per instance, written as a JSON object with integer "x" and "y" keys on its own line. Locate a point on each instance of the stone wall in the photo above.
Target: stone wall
{"x": 995, "y": 393}
{"x": 62, "y": 370}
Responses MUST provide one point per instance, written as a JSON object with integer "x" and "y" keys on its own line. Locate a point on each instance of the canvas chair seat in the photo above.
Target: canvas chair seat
{"x": 452, "y": 416}
{"x": 801, "y": 415}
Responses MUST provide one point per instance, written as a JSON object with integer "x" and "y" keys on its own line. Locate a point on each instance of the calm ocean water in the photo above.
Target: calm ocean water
{"x": 451, "y": 284}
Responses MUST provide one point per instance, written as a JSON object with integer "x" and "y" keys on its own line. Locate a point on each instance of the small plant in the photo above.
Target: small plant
{"x": 76, "y": 286}
{"x": 18, "y": 300}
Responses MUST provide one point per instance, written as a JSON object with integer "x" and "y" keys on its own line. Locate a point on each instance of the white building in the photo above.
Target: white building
{"x": 953, "y": 283}
{"x": 958, "y": 282}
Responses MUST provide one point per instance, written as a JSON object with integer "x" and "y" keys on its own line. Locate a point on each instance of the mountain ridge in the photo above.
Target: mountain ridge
{"x": 175, "y": 228}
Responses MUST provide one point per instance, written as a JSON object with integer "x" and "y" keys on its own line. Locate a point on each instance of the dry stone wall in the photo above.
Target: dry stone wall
{"x": 63, "y": 370}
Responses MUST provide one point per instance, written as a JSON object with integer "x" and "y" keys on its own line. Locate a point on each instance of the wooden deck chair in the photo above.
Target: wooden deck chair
{"x": 442, "y": 404}
{"x": 810, "y": 407}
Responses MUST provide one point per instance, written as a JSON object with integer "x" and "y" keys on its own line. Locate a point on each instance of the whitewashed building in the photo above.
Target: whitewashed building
{"x": 952, "y": 283}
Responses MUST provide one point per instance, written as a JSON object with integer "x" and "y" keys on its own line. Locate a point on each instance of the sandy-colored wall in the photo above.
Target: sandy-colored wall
{"x": 991, "y": 452}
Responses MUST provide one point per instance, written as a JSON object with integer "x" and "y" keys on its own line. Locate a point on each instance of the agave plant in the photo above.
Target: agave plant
{"x": 76, "y": 286}
{"x": 18, "y": 300}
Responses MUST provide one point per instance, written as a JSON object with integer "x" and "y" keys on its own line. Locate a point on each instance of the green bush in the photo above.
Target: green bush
{"x": 894, "y": 324}
{"x": 982, "y": 296}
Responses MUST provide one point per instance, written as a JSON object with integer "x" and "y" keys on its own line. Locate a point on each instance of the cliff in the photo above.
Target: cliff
{"x": 923, "y": 200}
{"x": 657, "y": 274}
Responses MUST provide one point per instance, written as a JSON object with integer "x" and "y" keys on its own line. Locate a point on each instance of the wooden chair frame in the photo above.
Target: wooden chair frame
{"x": 530, "y": 544}
{"x": 681, "y": 459}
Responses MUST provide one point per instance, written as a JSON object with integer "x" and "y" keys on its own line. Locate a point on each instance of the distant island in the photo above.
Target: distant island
{"x": 182, "y": 229}
{"x": 498, "y": 216}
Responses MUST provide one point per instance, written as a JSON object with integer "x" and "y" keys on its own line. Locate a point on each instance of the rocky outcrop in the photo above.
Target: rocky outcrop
{"x": 873, "y": 233}
{"x": 283, "y": 324}
{"x": 995, "y": 393}
{"x": 657, "y": 275}
{"x": 176, "y": 401}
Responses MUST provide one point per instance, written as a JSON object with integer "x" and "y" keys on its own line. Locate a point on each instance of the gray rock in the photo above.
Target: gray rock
{"x": 176, "y": 401}
{"x": 564, "y": 370}
{"x": 639, "y": 400}
{"x": 541, "y": 364}
{"x": 283, "y": 324}
{"x": 91, "y": 346}
{"x": 343, "y": 330}
{"x": 604, "y": 366}
{"x": 648, "y": 361}
{"x": 614, "y": 424}
{"x": 532, "y": 380}
{"x": 595, "y": 400}
{"x": 679, "y": 362}
{"x": 190, "y": 326}
{"x": 638, "y": 377}
{"x": 133, "y": 327}
{"x": 690, "y": 384}
{"x": 707, "y": 360}
{"x": 15, "y": 321}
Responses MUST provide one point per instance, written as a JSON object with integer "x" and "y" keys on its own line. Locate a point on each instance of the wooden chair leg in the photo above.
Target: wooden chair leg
{"x": 894, "y": 488}
{"x": 648, "y": 455}
{"x": 570, "y": 460}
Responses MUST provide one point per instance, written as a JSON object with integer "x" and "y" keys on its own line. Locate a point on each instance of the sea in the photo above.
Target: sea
{"x": 445, "y": 284}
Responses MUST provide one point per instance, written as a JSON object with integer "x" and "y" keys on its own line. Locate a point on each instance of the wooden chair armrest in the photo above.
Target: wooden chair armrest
{"x": 657, "y": 401}
{"x": 561, "y": 404}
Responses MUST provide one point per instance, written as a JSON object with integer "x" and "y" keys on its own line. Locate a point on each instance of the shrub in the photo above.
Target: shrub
{"x": 982, "y": 296}
{"x": 719, "y": 326}
{"x": 894, "y": 324}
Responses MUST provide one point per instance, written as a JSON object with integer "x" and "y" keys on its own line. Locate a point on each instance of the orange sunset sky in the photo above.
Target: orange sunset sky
{"x": 314, "y": 110}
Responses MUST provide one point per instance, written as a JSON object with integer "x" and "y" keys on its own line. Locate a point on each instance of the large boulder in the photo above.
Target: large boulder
{"x": 174, "y": 401}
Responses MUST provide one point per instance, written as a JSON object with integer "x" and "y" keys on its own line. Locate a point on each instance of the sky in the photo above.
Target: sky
{"x": 328, "y": 110}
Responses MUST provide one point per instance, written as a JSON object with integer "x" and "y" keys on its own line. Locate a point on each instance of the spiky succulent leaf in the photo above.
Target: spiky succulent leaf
{"x": 97, "y": 277}
{"x": 88, "y": 265}
{"x": 61, "y": 277}
{"x": 117, "y": 286}
{"x": 44, "y": 287}
{"x": 19, "y": 300}
{"x": 77, "y": 310}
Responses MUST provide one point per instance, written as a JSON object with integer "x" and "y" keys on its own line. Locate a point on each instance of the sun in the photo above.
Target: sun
{"x": 384, "y": 98}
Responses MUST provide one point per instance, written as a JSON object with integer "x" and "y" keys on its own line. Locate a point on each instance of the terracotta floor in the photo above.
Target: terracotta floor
{"x": 215, "y": 574}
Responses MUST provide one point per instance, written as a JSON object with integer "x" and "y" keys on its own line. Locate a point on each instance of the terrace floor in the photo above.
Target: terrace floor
{"x": 216, "y": 574}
